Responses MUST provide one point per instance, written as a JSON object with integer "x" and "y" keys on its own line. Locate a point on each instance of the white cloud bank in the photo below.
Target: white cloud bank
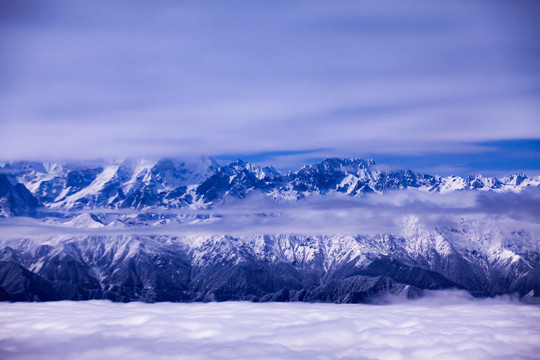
{"x": 447, "y": 325}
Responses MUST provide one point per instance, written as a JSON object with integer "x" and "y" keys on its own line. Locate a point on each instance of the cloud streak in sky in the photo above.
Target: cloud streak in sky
{"x": 429, "y": 328}
{"x": 136, "y": 79}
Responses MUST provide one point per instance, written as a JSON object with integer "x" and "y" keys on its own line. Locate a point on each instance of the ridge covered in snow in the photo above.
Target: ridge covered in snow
{"x": 202, "y": 182}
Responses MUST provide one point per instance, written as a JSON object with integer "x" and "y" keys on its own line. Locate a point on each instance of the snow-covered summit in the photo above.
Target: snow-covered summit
{"x": 85, "y": 221}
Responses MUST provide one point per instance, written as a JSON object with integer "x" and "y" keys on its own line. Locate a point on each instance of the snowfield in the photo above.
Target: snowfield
{"x": 444, "y": 325}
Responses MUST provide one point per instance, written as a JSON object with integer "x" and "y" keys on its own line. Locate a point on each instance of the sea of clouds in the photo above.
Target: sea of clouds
{"x": 443, "y": 325}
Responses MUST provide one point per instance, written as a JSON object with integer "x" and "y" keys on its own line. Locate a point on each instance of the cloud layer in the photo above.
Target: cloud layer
{"x": 434, "y": 327}
{"x": 318, "y": 215}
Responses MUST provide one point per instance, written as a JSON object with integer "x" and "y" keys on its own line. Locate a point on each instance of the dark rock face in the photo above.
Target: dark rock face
{"x": 16, "y": 200}
{"x": 269, "y": 268}
{"x": 324, "y": 176}
{"x": 237, "y": 180}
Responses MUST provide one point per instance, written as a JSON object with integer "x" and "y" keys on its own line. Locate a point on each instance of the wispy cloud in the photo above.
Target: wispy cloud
{"x": 318, "y": 215}
{"x": 148, "y": 80}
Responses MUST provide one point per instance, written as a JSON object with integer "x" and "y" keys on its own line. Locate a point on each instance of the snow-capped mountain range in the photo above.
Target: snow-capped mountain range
{"x": 108, "y": 231}
{"x": 200, "y": 183}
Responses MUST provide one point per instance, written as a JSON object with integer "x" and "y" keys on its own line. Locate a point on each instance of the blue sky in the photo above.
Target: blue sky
{"x": 447, "y": 86}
